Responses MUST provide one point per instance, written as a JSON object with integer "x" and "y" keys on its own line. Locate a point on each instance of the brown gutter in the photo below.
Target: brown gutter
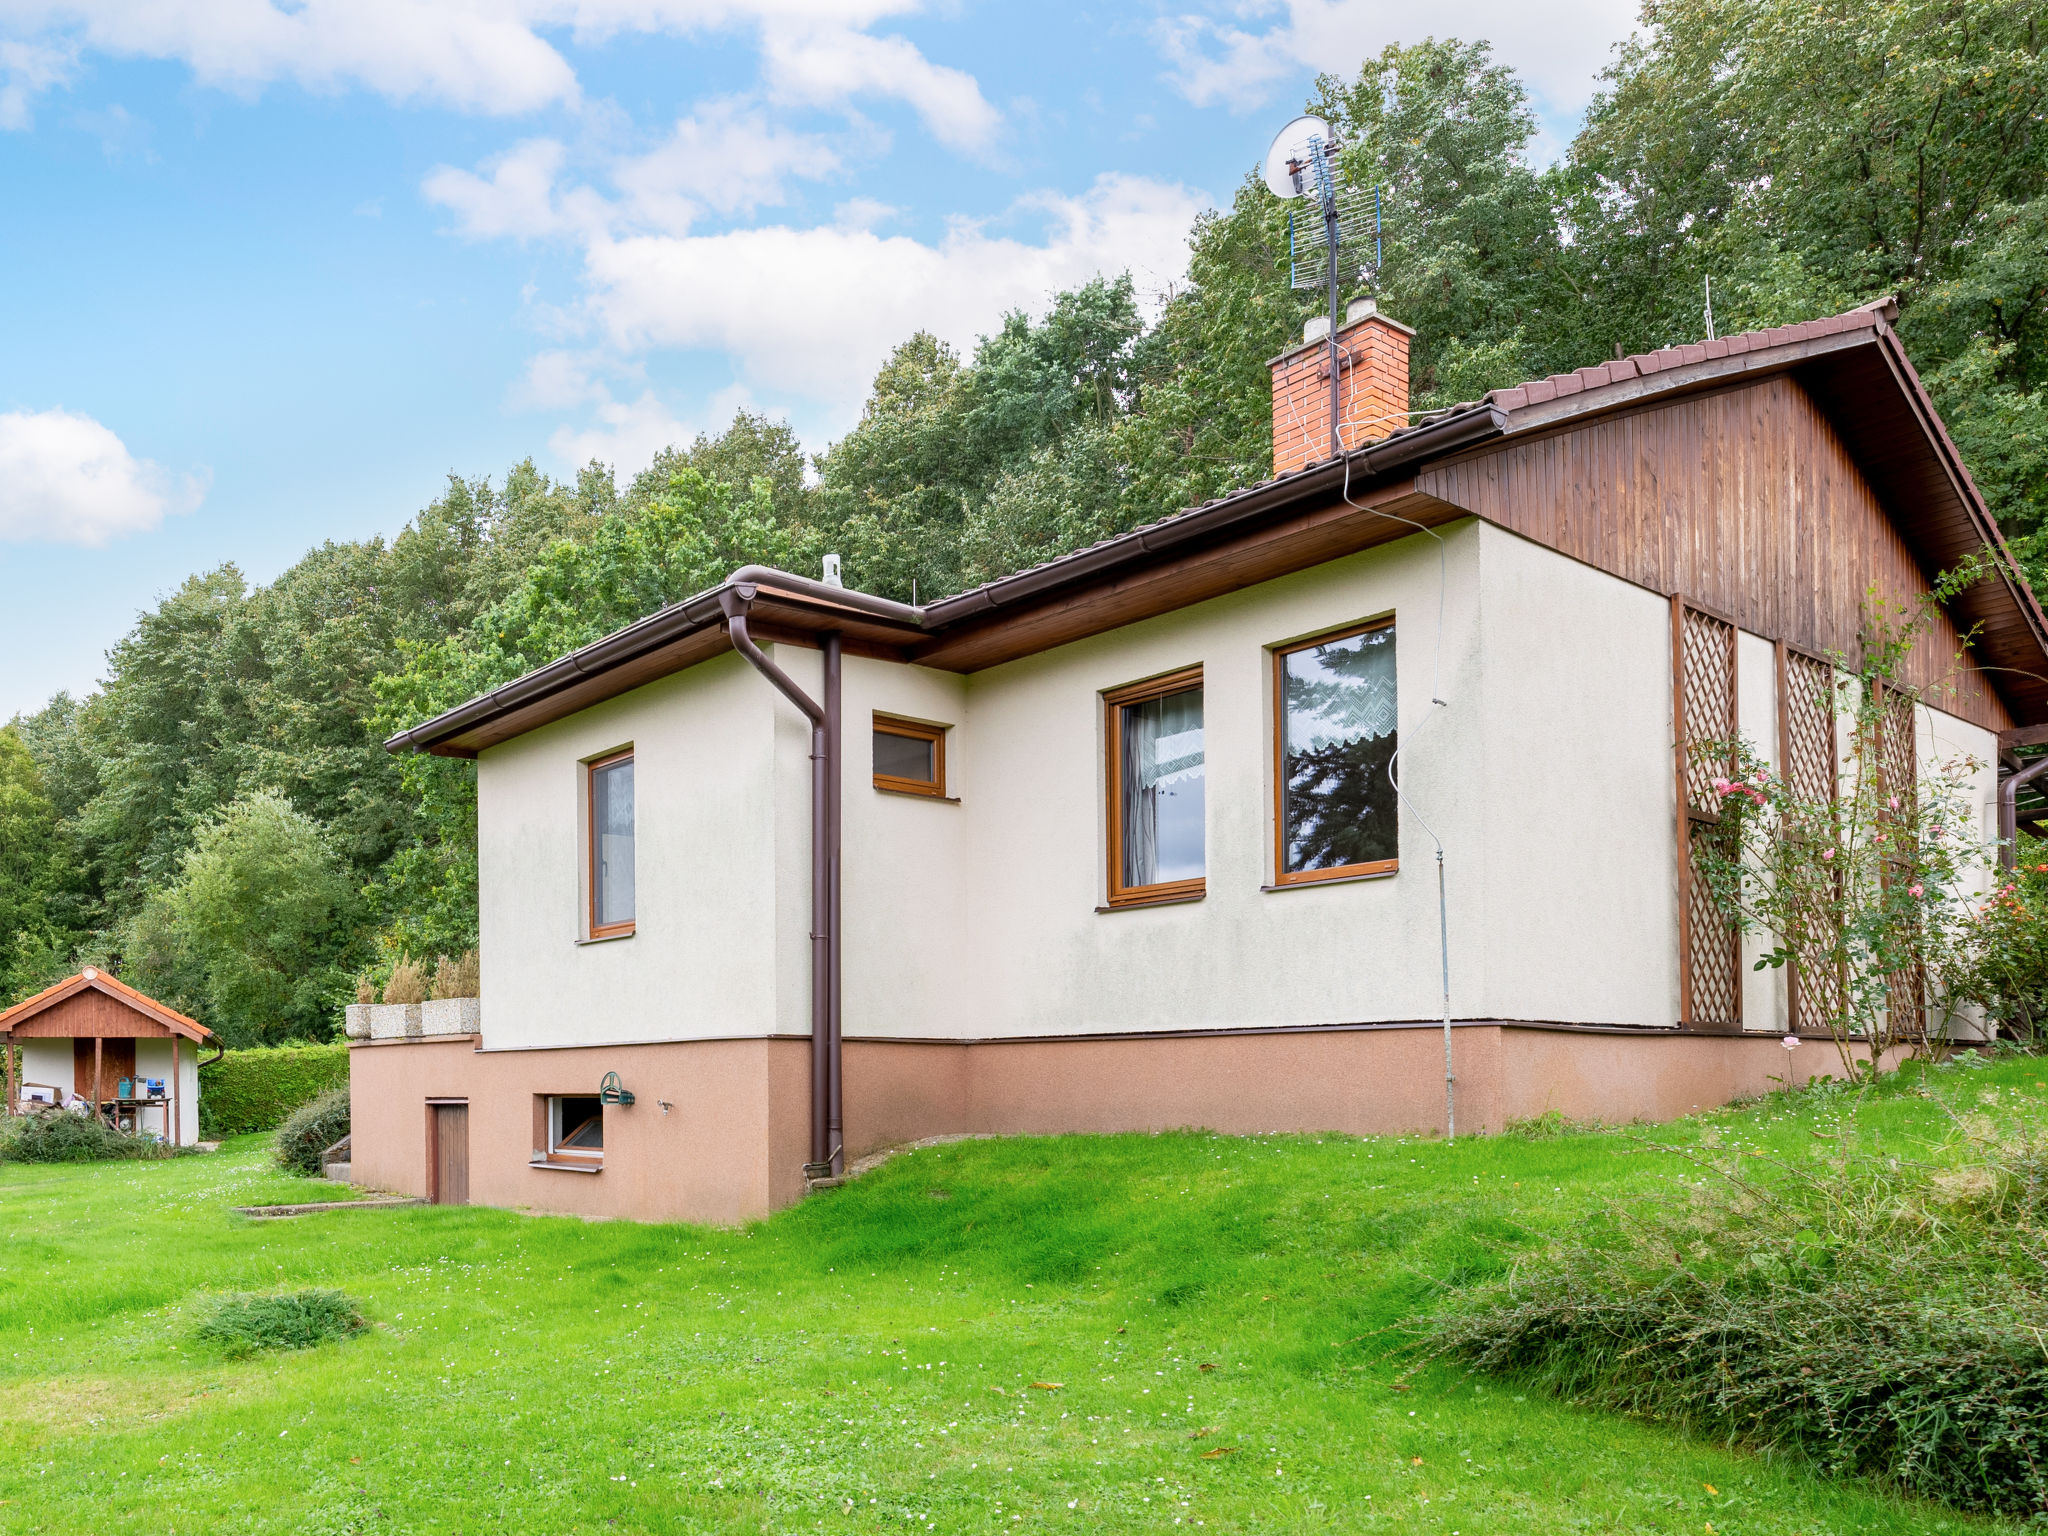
{"x": 828, "y": 1136}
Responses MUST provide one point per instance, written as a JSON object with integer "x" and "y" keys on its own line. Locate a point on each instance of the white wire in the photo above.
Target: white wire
{"x": 1436, "y": 701}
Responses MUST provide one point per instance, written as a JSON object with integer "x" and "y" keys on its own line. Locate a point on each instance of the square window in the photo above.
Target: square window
{"x": 1336, "y": 729}
{"x": 575, "y": 1128}
{"x": 1157, "y": 782}
{"x": 611, "y": 846}
{"x": 910, "y": 757}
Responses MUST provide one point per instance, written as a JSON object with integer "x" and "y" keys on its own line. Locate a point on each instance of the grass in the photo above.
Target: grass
{"x": 1222, "y": 1317}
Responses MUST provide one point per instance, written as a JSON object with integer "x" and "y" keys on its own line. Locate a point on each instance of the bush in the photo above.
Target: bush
{"x": 59, "y": 1136}
{"x": 1874, "y": 1316}
{"x": 458, "y": 978}
{"x": 310, "y": 1130}
{"x": 255, "y": 1090}
{"x": 245, "y": 1325}
{"x": 408, "y": 983}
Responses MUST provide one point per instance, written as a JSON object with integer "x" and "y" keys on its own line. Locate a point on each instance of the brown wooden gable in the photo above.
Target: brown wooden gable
{"x": 1745, "y": 501}
{"x": 92, "y": 1005}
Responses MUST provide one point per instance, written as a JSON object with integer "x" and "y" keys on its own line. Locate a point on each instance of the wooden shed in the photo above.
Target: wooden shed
{"x": 90, "y": 1042}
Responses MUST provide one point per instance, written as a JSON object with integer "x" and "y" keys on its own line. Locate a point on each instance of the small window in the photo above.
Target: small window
{"x": 611, "y": 846}
{"x": 576, "y": 1128}
{"x": 1157, "y": 809}
{"x": 910, "y": 758}
{"x": 1336, "y": 732}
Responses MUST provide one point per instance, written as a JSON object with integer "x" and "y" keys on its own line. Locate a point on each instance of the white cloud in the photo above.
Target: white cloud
{"x": 726, "y": 156}
{"x": 627, "y": 434}
{"x": 517, "y": 199}
{"x": 26, "y": 70}
{"x": 814, "y": 312}
{"x": 827, "y": 67}
{"x": 492, "y": 56}
{"x": 66, "y": 479}
{"x": 1558, "y": 52}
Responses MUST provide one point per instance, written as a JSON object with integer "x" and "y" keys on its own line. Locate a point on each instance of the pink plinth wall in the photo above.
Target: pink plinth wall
{"x": 732, "y": 1142}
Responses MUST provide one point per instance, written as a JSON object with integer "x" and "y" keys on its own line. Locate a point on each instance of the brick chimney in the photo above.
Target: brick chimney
{"x": 1372, "y": 386}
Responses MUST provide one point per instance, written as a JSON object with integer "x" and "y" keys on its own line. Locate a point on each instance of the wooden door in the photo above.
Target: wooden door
{"x": 448, "y": 1155}
{"x": 117, "y": 1060}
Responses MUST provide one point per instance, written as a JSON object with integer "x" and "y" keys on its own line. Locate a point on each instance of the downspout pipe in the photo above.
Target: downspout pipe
{"x": 2009, "y": 810}
{"x": 828, "y": 1153}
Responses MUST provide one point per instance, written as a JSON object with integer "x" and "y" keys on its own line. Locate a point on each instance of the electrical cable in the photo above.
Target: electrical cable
{"x": 1437, "y": 701}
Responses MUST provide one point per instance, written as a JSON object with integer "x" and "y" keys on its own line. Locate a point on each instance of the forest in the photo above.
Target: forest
{"x": 219, "y": 823}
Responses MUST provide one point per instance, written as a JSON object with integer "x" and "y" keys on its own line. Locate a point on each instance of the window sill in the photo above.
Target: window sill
{"x": 605, "y": 938}
{"x": 1155, "y": 901}
{"x": 561, "y": 1167}
{"x": 1310, "y": 885}
{"x": 917, "y": 794}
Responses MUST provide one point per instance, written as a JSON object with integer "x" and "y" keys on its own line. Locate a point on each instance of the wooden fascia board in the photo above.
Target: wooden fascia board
{"x": 21, "y": 1015}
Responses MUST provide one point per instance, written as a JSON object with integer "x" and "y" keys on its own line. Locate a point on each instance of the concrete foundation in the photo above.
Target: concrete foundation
{"x": 718, "y": 1131}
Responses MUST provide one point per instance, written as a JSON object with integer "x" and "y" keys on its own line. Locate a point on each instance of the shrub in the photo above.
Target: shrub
{"x": 1874, "y": 1316}
{"x": 458, "y": 978}
{"x": 255, "y": 1090}
{"x": 310, "y": 1130}
{"x": 245, "y": 1325}
{"x": 408, "y": 983}
{"x": 59, "y": 1136}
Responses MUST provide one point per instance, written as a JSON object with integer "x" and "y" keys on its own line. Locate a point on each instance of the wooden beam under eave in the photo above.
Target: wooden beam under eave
{"x": 1172, "y": 581}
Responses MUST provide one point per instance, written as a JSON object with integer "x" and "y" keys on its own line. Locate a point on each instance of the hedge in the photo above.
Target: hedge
{"x": 255, "y": 1090}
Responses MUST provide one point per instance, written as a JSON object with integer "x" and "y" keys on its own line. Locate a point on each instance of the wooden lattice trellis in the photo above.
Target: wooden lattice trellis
{"x": 1703, "y": 709}
{"x": 1809, "y": 764}
{"x": 1898, "y": 770}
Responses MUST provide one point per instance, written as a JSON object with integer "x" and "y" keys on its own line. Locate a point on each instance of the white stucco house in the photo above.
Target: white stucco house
{"x": 1112, "y": 843}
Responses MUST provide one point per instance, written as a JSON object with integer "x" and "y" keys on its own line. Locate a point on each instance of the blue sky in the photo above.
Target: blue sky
{"x": 271, "y": 269}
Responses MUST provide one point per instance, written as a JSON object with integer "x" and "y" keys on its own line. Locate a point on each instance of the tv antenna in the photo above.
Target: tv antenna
{"x": 1325, "y": 249}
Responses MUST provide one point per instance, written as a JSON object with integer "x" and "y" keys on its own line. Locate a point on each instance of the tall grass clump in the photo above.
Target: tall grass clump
{"x": 60, "y": 1136}
{"x": 248, "y": 1325}
{"x": 310, "y": 1130}
{"x": 1875, "y": 1315}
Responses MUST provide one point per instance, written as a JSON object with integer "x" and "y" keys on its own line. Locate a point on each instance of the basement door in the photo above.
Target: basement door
{"x": 448, "y": 1153}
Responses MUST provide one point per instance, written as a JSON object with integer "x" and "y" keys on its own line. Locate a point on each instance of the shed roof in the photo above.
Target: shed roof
{"x": 1852, "y": 363}
{"x": 167, "y": 1019}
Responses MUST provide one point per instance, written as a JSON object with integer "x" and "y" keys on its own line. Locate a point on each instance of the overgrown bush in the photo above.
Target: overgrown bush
{"x": 255, "y": 1090}
{"x": 246, "y": 1325}
{"x": 408, "y": 983}
{"x": 1874, "y": 1315}
{"x": 458, "y": 978}
{"x": 59, "y": 1136}
{"x": 310, "y": 1130}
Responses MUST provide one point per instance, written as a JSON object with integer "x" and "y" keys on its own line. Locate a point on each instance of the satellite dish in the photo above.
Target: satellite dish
{"x": 1287, "y": 162}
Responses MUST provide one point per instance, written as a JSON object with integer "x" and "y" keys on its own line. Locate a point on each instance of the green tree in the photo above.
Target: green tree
{"x": 255, "y": 934}
{"x": 30, "y": 865}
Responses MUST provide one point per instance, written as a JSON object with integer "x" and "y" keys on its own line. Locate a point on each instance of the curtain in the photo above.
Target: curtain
{"x": 1162, "y": 783}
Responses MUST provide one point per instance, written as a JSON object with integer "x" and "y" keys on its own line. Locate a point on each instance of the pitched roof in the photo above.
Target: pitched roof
{"x": 95, "y": 980}
{"x": 1853, "y": 363}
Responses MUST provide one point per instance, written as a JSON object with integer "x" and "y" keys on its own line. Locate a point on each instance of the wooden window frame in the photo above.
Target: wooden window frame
{"x": 1114, "y": 701}
{"x": 914, "y": 730}
{"x": 591, "y": 925}
{"x": 546, "y": 1148}
{"x": 1337, "y": 872}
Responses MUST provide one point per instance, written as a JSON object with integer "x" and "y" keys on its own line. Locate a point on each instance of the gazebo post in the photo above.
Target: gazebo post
{"x": 96, "y": 1077}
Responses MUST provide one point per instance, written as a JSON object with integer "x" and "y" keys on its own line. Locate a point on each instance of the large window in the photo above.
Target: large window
{"x": 1156, "y": 776}
{"x": 910, "y": 757}
{"x": 1336, "y": 728}
{"x": 611, "y": 846}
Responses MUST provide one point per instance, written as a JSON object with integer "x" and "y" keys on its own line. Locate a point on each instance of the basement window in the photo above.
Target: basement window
{"x": 575, "y": 1129}
{"x": 910, "y": 757}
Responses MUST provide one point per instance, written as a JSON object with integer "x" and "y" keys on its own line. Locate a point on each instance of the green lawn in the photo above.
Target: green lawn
{"x": 1219, "y": 1314}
